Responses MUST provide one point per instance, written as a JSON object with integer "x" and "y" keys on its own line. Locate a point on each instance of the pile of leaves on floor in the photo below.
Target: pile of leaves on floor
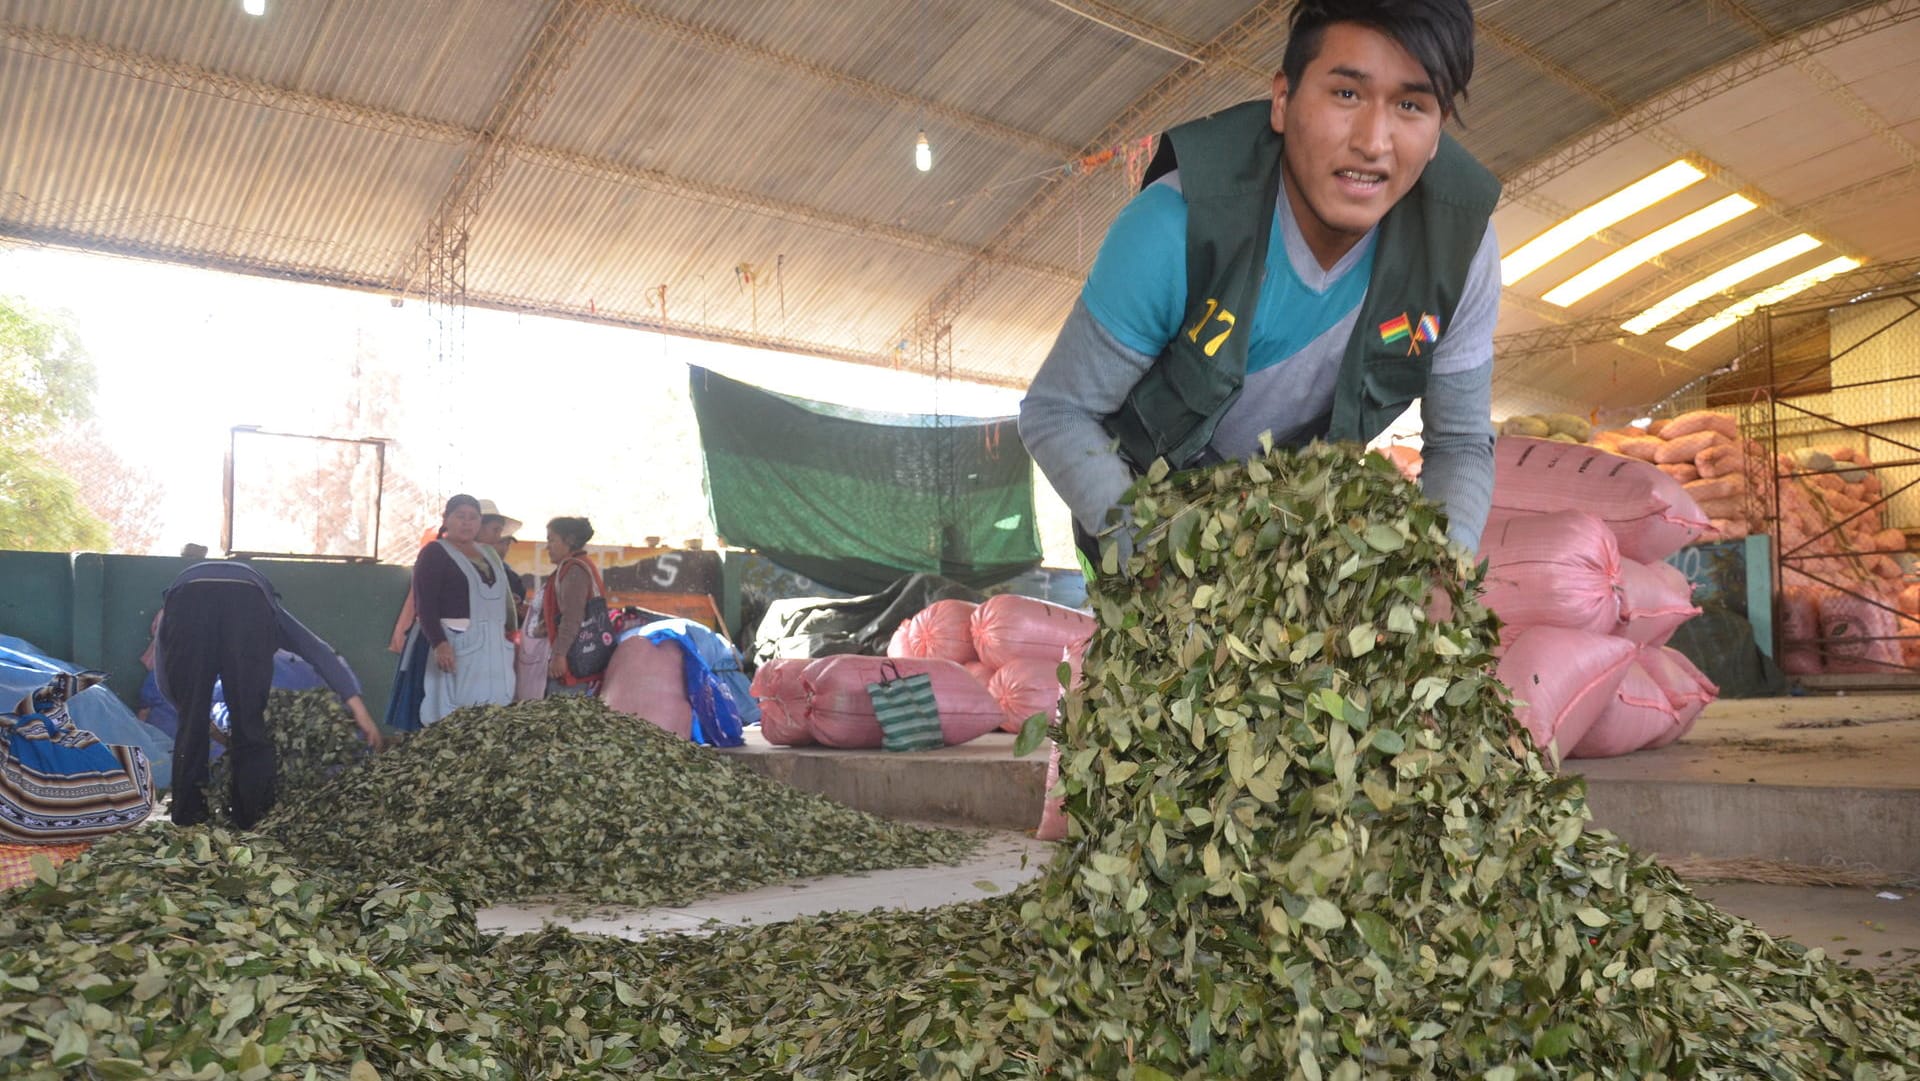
{"x": 314, "y": 741}
{"x": 565, "y": 798}
{"x": 1307, "y": 841}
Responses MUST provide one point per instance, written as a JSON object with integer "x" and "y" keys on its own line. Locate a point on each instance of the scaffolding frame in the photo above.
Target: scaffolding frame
{"x": 1774, "y": 418}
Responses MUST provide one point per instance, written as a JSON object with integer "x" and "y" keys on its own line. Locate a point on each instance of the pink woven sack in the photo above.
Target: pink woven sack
{"x": 943, "y": 629}
{"x": 1561, "y": 681}
{"x": 1552, "y": 570}
{"x": 1053, "y": 816}
{"x": 1688, "y": 689}
{"x": 1648, "y": 512}
{"x": 1638, "y": 716}
{"x": 1024, "y": 687}
{"x": 840, "y": 708}
{"x": 648, "y": 680}
{"x": 1010, "y": 627}
{"x": 1656, "y": 599}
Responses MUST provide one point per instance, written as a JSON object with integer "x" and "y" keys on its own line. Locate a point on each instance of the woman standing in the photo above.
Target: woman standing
{"x": 563, "y": 608}
{"x": 466, "y": 616}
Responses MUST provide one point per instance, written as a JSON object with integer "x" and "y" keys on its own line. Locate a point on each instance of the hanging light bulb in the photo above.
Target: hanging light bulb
{"x": 922, "y": 152}
{"x": 254, "y": 7}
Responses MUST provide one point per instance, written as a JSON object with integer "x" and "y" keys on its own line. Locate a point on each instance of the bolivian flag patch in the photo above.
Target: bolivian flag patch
{"x": 1396, "y": 330}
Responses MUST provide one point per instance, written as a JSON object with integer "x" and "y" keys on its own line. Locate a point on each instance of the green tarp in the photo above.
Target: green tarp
{"x": 858, "y": 499}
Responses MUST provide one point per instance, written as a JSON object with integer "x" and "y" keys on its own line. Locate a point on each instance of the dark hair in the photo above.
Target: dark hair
{"x": 575, "y": 531}
{"x": 1439, "y": 34}
{"x": 458, "y": 501}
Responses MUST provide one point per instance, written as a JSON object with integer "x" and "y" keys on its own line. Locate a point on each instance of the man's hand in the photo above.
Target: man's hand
{"x": 443, "y": 656}
{"x": 557, "y": 667}
{"x": 367, "y": 728}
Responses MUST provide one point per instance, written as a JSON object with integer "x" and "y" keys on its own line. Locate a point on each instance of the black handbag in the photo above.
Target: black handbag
{"x": 599, "y": 630}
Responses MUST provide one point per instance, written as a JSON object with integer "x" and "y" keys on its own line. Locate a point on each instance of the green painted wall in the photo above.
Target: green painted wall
{"x": 95, "y": 610}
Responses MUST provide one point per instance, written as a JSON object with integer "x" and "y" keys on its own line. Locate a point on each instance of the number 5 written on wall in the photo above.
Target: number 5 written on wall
{"x": 1214, "y": 313}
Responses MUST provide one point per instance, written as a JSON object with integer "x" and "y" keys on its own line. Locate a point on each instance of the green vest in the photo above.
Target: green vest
{"x": 1230, "y": 177}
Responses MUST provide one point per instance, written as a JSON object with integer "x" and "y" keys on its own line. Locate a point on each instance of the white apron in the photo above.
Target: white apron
{"x": 482, "y": 656}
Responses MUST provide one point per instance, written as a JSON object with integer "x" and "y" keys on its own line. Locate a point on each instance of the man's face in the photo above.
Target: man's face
{"x": 490, "y": 530}
{"x": 1360, "y": 128}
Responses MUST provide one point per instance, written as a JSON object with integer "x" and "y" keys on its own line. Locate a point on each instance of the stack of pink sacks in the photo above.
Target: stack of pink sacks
{"x": 1575, "y": 547}
{"x": 993, "y": 665}
{"x": 1722, "y": 473}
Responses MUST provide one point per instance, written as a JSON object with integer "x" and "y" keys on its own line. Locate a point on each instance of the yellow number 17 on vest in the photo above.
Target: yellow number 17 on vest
{"x": 1214, "y": 311}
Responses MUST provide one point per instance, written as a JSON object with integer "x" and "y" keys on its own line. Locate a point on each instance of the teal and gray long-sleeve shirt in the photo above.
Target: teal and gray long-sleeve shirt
{"x": 1132, "y": 306}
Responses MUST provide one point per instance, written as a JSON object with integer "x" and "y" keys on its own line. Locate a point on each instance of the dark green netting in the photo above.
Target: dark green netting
{"x": 857, "y": 499}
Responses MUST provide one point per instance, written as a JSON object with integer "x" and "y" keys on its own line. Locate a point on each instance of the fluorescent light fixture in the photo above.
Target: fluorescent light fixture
{"x": 1648, "y": 247}
{"x": 254, "y": 7}
{"x": 1772, "y": 294}
{"x": 1641, "y": 422}
{"x": 1719, "y": 282}
{"x": 1622, "y": 204}
{"x": 922, "y": 153}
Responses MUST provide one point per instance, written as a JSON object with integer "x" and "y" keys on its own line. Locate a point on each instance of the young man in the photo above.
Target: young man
{"x": 1304, "y": 267}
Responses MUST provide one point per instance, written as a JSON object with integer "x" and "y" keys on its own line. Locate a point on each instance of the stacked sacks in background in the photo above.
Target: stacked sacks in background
{"x": 993, "y": 665}
{"x": 1575, "y": 547}
{"x": 1845, "y": 593}
{"x": 1557, "y": 427}
{"x": 1726, "y": 476}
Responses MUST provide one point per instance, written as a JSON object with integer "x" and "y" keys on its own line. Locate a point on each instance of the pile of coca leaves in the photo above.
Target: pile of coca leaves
{"x": 567, "y": 799}
{"x": 1307, "y": 840}
{"x": 314, "y": 741}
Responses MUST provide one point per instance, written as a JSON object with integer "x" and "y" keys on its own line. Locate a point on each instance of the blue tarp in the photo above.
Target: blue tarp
{"x": 97, "y": 710}
{"x": 24, "y": 669}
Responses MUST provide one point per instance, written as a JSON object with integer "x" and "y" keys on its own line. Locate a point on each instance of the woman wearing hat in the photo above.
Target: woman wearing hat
{"x": 466, "y": 616}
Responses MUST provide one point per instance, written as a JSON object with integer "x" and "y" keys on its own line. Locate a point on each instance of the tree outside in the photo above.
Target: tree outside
{"x": 46, "y": 384}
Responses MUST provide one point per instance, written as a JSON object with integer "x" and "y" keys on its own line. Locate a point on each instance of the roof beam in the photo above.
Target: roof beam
{"x": 1823, "y": 77}
{"x": 1160, "y": 37}
{"x": 441, "y": 254}
{"x": 187, "y": 77}
{"x": 291, "y": 271}
{"x": 1715, "y": 172}
{"x": 1153, "y": 107}
{"x": 1779, "y": 51}
{"x": 728, "y": 45}
{"x": 765, "y": 206}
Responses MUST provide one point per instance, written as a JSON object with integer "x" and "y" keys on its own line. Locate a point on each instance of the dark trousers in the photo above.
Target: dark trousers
{"x": 225, "y": 631}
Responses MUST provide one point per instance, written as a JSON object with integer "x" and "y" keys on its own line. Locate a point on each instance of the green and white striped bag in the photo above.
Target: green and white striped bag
{"x": 908, "y": 714}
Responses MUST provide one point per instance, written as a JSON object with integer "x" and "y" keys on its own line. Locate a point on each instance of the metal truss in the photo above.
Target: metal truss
{"x": 728, "y": 45}
{"x": 1151, "y": 108}
{"x": 1824, "y": 78}
{"x": 1778, "y": 52}
{"x": 441, "y": 255}
{"x": 187, "y": 77}
{"x": 1869, "y": 279}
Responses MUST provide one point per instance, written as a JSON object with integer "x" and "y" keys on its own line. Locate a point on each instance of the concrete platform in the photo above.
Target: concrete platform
{"x": 1816, "y": 780}
{"x": 1866, "y": 928}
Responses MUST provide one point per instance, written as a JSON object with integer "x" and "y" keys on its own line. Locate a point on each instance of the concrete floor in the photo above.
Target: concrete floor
{"x": 1857, "y": 927}
{"x": 1855, "y": 740}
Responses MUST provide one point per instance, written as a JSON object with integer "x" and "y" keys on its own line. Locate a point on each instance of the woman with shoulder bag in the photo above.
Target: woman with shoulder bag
{"x": 573, "y": 611}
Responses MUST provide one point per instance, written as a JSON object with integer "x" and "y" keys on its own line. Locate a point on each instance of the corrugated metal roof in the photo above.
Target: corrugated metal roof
{"x": 677, "y": 140}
